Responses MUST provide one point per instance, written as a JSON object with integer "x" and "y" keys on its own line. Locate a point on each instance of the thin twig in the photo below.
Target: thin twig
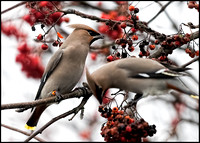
{"x": 20, "y": 131}
{"x": 190, "y": 62}
{"x": 172, "y": 21}
{"x": 15, "y": 6}
{"x": 93, "y": 7}
{"x": 161, "y": 10}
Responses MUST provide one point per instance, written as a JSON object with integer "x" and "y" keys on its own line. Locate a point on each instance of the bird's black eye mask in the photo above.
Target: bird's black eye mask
{"x": 95, "y": 36}
{"x": 93, "y": 33}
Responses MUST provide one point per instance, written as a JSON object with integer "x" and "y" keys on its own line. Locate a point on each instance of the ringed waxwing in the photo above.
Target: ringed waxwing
{"x": 141, "y": 76}
{"x": 65, "y": 67}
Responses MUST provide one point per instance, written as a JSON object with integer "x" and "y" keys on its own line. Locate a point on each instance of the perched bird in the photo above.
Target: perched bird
{"x": 141, "y": 76}
{"x": 65, "y": 67}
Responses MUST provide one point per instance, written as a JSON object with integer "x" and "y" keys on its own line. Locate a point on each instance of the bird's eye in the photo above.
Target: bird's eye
{"x": 93, "y": 33}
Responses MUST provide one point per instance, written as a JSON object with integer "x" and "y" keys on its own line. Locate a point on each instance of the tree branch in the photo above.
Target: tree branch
{"x": 83, "y": 3}
{"x": 161, "y": 10}
{"x": 75, "y": 111}
{"x": 25, "y": 133}
{"x": 77, "y": 93}
{"x": 157, "y": 54}
{"x": 190, "y": 62}
{"x": 19, "y": 4}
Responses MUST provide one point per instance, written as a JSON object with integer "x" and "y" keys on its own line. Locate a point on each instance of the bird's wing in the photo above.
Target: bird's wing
{"x": 54, "y": 61}
{"x": 146, "y": 68}
{"x": 160, "y": 74}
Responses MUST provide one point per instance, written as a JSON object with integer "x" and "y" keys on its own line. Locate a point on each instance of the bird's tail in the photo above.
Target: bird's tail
{"x": 178, "y": 85}
{"x": 34, "y": 118}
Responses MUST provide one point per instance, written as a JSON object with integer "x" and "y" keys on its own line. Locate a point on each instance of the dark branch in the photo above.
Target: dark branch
{"x": 75, "y": 111}
{"x": 17, "y": 130}
{"x": 161, "y": 10}
{"x": 19, "y": 4}
{"x": 93, "y": 7}
{"x": 158, "y": 53}
{"x": 75, "y": 94}
{"x": 190, "y": 62}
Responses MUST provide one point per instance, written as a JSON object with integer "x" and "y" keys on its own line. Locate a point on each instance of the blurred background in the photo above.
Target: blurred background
{"x": 175, "y": 120}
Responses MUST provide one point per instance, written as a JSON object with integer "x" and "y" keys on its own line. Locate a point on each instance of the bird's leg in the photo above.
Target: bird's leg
{"x": 58, "y": 96}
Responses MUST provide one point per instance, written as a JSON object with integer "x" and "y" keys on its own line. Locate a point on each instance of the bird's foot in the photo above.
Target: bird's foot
{"x": 58, "y": 96}
{"x": 83, "y": 89}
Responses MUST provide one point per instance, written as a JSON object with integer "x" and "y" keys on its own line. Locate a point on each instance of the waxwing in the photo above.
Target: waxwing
{"x": 65, "y": 67}
{"x": 141, "y": 76}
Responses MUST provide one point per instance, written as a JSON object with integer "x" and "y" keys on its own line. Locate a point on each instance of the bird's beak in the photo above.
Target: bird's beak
{"x": 99, "y": 37}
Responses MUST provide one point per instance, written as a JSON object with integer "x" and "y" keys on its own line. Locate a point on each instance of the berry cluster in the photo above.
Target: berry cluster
{"x": 122, "y": 127}
{"x": 176, "y": 41}
{"x": 11, "y": 30}
{"x": 193, "y": 4}
{"x": 31, "y": 64}
{"x": 113, "y": 31}
{"x": 192, "y": 53}
{"x": 44, "y": 12}
{"x": 124, "y": 42}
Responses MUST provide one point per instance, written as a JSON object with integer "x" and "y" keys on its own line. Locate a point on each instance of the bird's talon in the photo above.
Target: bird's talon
{"x": 58, "y": 96}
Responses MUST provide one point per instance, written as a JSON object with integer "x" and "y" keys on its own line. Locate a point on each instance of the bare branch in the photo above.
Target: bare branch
{"x": 20, "y": 131}
{"x": 77, "y": 93}
{"x": 94, "y": 7}
{"x": 190, "y": 62}
{"x": 19, "y": 4}
{"x": 161, "y": 10}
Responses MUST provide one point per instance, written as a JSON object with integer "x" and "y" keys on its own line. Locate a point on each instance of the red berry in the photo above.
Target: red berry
{"x": 191, "y": 5}
{"x": 192, "y": 55}
{"x": 40, "y": 37}
{"x": 44, "y": 46}
{"x": 162, "y": 58}
{"x": 186, "y": 39}
{"x": 141, "y": 54}
{"x": 66, "y": 19}
{"x": 121, "y": 112}
{"x": 123, "y": 139}
{"x": 131, "y": 120}
{"x": 93, "y": 56}
{"x": 128, "y": 128}
{"x": 187, "y": 50}
{"x": 187, "y": 35}
{"x": 123, "y": 25}
{"x": 177, "y": 43}
{"x": 176, "y": 37}
{"x": 147, "y": 53}
{"x": 115, "y": 110}
{"x": 55, "y": 43}
{"x": 156, "y": 42}
{"x": 131, "y": 49}
{"x": 152, "y": 47}
{"x": 110, "y": 58}
{"x": 133, "y": 30}
{"x": 43, "y": 3}
{"x": 137, "y": 17}
{"x": 99, "y": 4}
{"x": 117, "y": 41}
{"x": 197, "y": 53}
{"x": 131, "y": 8}
{"x": 135, "y": 37}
